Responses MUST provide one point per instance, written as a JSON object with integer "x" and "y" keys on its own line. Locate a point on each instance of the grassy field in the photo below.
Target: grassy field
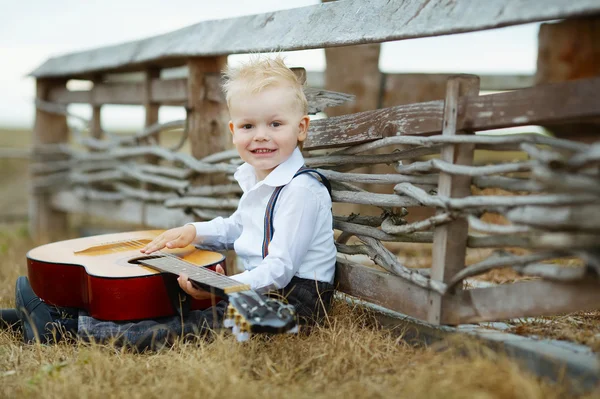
{"x": 349, "y": 357}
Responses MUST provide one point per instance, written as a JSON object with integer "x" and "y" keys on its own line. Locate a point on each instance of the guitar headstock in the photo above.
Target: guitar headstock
{"x": 249, "y": 312}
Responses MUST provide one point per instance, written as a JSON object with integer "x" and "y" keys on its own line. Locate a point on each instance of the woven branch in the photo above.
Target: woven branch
{"x": 516, "y": 139}
{"x": 588, "y": 157}
{"x": 504, "y": 261}
{"x": 478, "y": 225}
{"x": 490, "y": 202}
{"x": 436, "y": 165}
{"x": 335, "y": 160}
{"x": 389, "y": 227}
{"x": 357, "y": 229}
{"x": 384, "y": 258}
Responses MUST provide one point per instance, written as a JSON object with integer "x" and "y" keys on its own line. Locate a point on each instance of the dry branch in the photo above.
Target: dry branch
{"x": 504, "y": 261}
{"x": 337, "y": 160}
{"x": 389, "y": 227}
{"x": 384, "y": 258}
{"x": 567, "y": 182}
{"x": 367, "y": 198}
{"x": 436, "y": 165}
{"x": 584, "y": 218}
{"x": 378, "y": 178}
{"x": 479, "y": 140}
{"x": 356, "y": 229}
{"x": 491, "y": 202}
{"x": 478, "y": 225}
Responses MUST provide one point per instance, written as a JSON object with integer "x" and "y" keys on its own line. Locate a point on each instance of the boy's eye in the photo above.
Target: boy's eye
{"x": 275, "y": 124}
{"x": 247, "y": 126}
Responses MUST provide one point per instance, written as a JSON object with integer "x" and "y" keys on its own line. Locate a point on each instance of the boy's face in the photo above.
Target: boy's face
{"x": 266, "y": 127}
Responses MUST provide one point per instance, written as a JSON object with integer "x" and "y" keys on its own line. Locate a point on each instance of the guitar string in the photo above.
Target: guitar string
{"x": 170, "y": 257}
{"x": 211, "y": 277}
{"x": 200, "y": 272}
{"x": 173, "y": 265}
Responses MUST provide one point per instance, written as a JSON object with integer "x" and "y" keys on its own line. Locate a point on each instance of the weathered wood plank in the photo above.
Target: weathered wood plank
{"x": 544, "y": 104}
{"x": 46, "y": 223}
{"x": 175, "y": 92}
{"x": 377, "y": 287}
{"x": 207, "y": 121}
{"x": 524, "y": 299}
{"x": 128, "y": 210}
{"x": 450, "y": 240}
{"x": 169, "y": 92}
{"x": 310, "y": 27}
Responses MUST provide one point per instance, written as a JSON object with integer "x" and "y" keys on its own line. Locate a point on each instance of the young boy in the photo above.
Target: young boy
{"x": 269, "y": 120}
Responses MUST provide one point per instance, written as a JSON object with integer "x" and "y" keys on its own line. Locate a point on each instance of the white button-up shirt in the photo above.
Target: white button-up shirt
{"x": 302, "y": 244}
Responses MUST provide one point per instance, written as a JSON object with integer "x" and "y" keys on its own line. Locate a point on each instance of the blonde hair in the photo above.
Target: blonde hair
{"x": 257, "y": 74}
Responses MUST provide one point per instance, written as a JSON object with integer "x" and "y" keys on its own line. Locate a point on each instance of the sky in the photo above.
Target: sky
{"x": 33, "y": 31}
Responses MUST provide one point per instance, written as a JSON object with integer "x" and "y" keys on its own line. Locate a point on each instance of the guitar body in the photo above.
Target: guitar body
{"x": 100, "y": 274}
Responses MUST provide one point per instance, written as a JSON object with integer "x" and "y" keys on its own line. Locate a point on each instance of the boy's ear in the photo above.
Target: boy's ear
{"x": 231, "y": 126}
{"x": 303, "y": 128}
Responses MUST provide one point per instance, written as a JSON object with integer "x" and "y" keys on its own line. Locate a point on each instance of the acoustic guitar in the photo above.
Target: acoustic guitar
{"x": 111, "y": 279}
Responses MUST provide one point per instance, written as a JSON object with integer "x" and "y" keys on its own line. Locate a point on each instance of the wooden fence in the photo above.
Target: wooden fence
{"x": 550, "y": 203}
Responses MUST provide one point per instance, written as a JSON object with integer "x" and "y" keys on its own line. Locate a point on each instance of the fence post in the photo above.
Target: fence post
{"x": 96, "y": 122}
{"x": 47, "y": 224}
{"x": 208, "y": 119}
{"x": 208, "y": 116}
{"x": 450, "y": 240}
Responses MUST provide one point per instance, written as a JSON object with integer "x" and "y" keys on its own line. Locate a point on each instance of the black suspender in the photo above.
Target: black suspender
{"x": 269, "y": 229}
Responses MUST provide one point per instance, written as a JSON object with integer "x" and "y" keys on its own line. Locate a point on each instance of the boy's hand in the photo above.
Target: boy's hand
{"x": 187, "y": 286}
{"x": 178, "y": 237}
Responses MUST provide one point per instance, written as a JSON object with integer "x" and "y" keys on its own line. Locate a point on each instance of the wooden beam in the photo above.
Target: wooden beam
{"x": 507, "y": 301}
{"x": 151, "y": 109}
{"x": 381, "y": 288}
{"x": 490, "y": 82}
{"x": 150, "y": 106}
{"x": 96, "y": 122}
{"x": 311, "y": 27}
{"x": 208, "y": 118}
{"x": 450, "y": 239}
{"x": 166, "y": 92}
{"x": 128, "y": 210}
{"x": 45, "y": 223}
{"x": 570, "y": 50}
{"x": 524, "y": 299}
{"x": 550, "y": 103}
{"x": 174, "y": 92}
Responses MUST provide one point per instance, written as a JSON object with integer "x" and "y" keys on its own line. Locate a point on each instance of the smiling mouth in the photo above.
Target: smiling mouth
{"x": 262, "y": 151}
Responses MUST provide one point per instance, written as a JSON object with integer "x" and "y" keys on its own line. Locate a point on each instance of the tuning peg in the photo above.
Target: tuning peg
{"x": 293, "y": 330}
{"x": 243, "y": 336}
{"x": 229, "y": 321}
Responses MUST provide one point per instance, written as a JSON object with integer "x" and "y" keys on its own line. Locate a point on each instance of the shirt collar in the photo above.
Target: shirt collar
{"x": 280, "y": 176}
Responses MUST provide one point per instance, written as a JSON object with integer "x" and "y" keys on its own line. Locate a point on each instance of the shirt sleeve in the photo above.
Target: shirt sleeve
{"x": 294, "y": 223}
{"x": 219, "y": 233}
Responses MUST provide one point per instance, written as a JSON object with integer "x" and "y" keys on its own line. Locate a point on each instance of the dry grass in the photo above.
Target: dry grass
{"x": 580, "y": 327}
{"x": 350, "y": 358}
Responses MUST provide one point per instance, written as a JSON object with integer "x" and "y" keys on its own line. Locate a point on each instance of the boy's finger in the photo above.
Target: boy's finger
{"x": 220, "y": 269}
{"x": 182, "y": 280}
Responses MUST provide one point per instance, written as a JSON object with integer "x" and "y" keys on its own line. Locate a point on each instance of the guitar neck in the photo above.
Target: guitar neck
{"x": 203, "y": 277}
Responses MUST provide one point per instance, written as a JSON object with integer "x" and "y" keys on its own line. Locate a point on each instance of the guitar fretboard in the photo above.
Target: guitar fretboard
{"x": 203, "y": 276}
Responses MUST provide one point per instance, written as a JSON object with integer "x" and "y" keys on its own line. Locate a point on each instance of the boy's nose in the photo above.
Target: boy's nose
{"x": 261, "y": 134}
